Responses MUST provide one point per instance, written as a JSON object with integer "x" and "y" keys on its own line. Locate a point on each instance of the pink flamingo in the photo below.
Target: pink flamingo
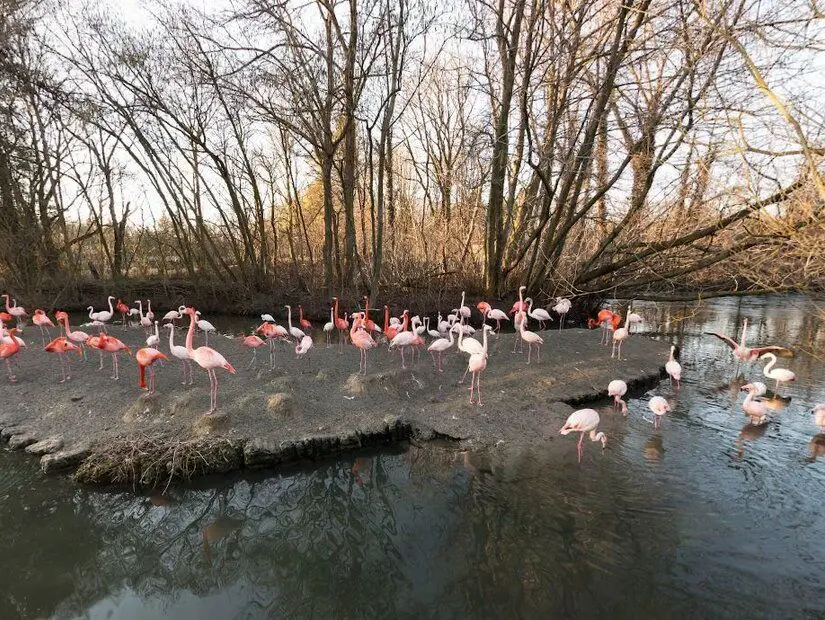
{"x": 755, "y": 409}
{"x": 18, "y": 312}
{"x": 361, "y": 339}
{"x": 114, "y": 346}
{"x": 304, "y": 323}
{"x": 492, "y": 313}
{"x": 620, "y": 334}
{"x": 61, "y": 346}
{"x": 618, "y": 388}
{"x": 603, "y": 320}
{"x": 673, "y": 368}
{"x": 742, "y": 352}
{"x": 341, "y": 325}
{"x": 437, "y": 349}
{"x": 208, "y": 359}
{"x": 146, "y": 358}
{"x": 252, "y": 342}
{"x": 476, "y": 365}
{"x": 75, "y": 336}
{"x": 659, "y": 406}
{"x": 272, "y": 332}
{"x": 369, "y": 324}
{"x": 7, "y": 351}
{"x": 42, "y": 320}
{"x": 584, "y": 421}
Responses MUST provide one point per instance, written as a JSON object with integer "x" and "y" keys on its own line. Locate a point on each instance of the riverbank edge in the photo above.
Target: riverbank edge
{"x": 153, "y": 461}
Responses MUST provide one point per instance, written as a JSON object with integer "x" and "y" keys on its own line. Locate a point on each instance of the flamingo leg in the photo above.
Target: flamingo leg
{"x": 42, "y": 337}
{"x": 581, "y": 439}
{"x": 206, "y": 336}
{"x": 538, "y": 353}
{"x": 478, "y": 388}
{"x": 252, "y": 361}
{"x": 116, "y": 367}
{"x": 403, "y": 365}
{"x": 464, "y": 376}
{"x": 529, "y": 351}
{"x": 472, "y": 383}
{"x": 100, "y": 366}
{"x": 183, "y": 371}
{"x": 12, "y": 378}
{"x": 151, "y": 380}
{"x": 83, "y": 348}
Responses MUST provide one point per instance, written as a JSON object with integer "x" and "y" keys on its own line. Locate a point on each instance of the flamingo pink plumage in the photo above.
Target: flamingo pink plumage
{"x": 207, "y": 358}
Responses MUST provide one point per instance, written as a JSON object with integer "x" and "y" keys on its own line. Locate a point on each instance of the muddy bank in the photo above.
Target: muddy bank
{"x": 108, "y": 431}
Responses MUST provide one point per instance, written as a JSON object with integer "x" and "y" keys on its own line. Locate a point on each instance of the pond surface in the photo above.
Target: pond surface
{"x": 705, "y": 517}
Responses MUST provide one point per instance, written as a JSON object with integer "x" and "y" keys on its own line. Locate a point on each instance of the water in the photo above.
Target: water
{"x": 706, "y": 516}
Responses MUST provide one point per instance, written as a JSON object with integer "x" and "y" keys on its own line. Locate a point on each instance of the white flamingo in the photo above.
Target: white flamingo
{"x": 780, "y": 375}
{"x": 584, "y": 421}
{"x": 539, "y": 314}
{"x": 618, "y": 388}
{"x": 673, "y": 368}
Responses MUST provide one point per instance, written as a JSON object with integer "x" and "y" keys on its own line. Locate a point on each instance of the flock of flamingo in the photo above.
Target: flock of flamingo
{"x": 405, "y": 334}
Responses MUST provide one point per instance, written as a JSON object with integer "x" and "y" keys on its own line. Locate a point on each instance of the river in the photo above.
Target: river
{"x": 704, "y": 517}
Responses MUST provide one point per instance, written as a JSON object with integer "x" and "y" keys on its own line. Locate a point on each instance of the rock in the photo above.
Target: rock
{"x": 281, "y": 404}
{"x": 74, "y": 399}
{"x": 47, "y": 446}
{"x": 354, "y": 385}
{"x": 7, "y": 432}
{"x": 208, "y": 423}
{"x": 18, "y": 442}
{"x": 65, "y": 459}
{"x": 322, "y": 375}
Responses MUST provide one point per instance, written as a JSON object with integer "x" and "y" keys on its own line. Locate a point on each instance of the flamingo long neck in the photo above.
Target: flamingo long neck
{"x": 335, "y": 309}
{"x": 190, "y": 335}
{"x": 289, "y": 317}
{"x": 111, "y": 309}
{"x": 770, "y": 365}
{"x": 148, "y": 306}
{"x": 300, "y": 313}
{"x": 530, "y": 306}
{"x": 157, "y": 332}
{"x": 484, "y": 338}
{"x": 91, "y": 310}
{"x": 66, "y": 325}
{"x": 406, "y": 322}
{"x": 140, "y": 309}
{"x": 521, "y": 297}
{"x": 672, "y": 359}
{"x": 331, "y": 316}
{"x": 462, "y": 300}
{"x": 452, "y": 337}
{"x": 366, "y": 309}
{"x": 6, "y": 297}
{"x": 386, "y": 318}
{"x": 744, "y": 334}
{"x": 748, "y": 399}
{"x": 594, "y": 436}
{"x": 171, "y": 338}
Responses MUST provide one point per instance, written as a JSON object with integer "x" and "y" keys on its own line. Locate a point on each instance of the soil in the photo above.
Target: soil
{"x": 303, "y": 408}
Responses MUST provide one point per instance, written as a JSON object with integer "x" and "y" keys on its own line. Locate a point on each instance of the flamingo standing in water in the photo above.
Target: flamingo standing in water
{"x": 113, "y": 346}
{"x": 9, "y": 350}
{"x": 437, "y": 349}
{"x": 755, "y": 409}
{"x": 146, "y": 358}
{"x": 673, "y": 368}
{"x": 61, "y": 346}
{"x": 476, "y": 365}
{"x": 618, "y": 388}
{"x": 659, "y": 406}
{"x": 561, "y": 308}
{"x": 742, "y": 352}
{"x": 584, "y": 421}
{"x": 18, "y": 312}
{"x": 361, "y": 339}
{"x": 206, "y": 358}
{"x": 75, "y": 336}
{"x": 819, "y": 416}
{"x": 780, "y": 375}
{"x": 180, "y": 353}
{"x": 42, "y": 320}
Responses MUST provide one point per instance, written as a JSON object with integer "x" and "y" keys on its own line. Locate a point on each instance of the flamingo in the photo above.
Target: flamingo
{"x": 432, "y": 333}
{"x": 94, "y": 343}
{"x": 584, "y": 421}
{"x": 113, "y": 346}
{"x": 149, "y": 314}
{"x": 271, "y": 332}
{"x": 633, "y": 319}
{"x": 618, "y": 388}
{"x": 604, "y": 317}
{"x": 61, "y": 346}
{"x": 369, "y": 324}
{"x": 293, "y": 331}
{"x": 418, "y": 326}
{"x": 361, "y": 339}
{"x": 519, "y": 306}
{"x": 304, "y": 346}
{"x": 561, "y": 308}
{"x": 539, "y": 314}
{"x": 41, "y": 319}
{"x": 329, "y": 326}
{"x": 206, "y": 327}
{"x": 145, "y": 321}
{"x": 437, "y": 349}
{"x": 341, "y": 325}
{"x": 172, "y": 315}
{"x": 75, "y": 336}
{"x": 123, "y": 309}
{"x": 206, "y": 358}
{"x": 476, "y": 365}
{"x": 18, "y": 312}
{"x": 463, "y": 310}
{"x": 780, "y": 375}
{"x": 519, "y": 321}
{"x": 304, "y": 323}
{"x": 659, "y": 406}
{"x": 757, "y": 410}
{"x": 620, "y": 334}
{"x": 146, "y": 358}
{"x": 7, "y": 351}
{"x": 104, "y": 316}
{"x": 470, "y": 346}
{"x": 819, "y": 416}
{"x": 742, "y": 352}
{"x": 154, "y": 340}
{"x": 181, "y": 353}
{"x": 443, "y": 325}
{"x": 673, "y": 368}
{"x": 252, "y": 342}
{"x": 403, "y": 338}
{"x": 390, "y": 329}
{"x": 531, "y": 338}
{"x": 7, "y": 338}
{"x": 492, "y": 313}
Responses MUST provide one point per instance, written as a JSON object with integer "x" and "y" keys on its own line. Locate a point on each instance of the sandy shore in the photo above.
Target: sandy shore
{"x": 108, "y": 431}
